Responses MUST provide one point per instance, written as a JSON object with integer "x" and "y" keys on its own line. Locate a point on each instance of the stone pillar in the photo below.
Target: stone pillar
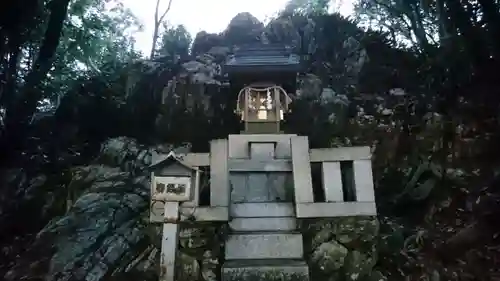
{"x": 332, "y": 182}
{"x": 219, "y": 174}
{"x": 301, "y": 170}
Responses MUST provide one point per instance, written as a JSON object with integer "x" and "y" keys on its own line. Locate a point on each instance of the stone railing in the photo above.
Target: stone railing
{"x": 347, "y": 181}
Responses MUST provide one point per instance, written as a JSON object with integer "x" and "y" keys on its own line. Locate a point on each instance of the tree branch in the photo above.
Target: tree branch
{"x": 166, "y": 11}
{"x": 158, "y": 21}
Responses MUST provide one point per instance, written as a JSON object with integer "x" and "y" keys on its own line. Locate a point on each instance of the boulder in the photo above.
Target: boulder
{"x": 329, "y": 256}
{"x": 103, "y": 229}
{"x": 243, "y": 29}
{"x": 351, "y": 229}
{"x": 310, "y": 85}
{"x": 342, "y": 248}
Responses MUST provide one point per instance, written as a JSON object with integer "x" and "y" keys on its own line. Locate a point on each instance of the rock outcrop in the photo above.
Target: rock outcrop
{"x": 104, "y": 233}
{"x": 342, "y": 248}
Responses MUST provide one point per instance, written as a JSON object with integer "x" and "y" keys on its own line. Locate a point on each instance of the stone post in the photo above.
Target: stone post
{"x": 169, "y": 241}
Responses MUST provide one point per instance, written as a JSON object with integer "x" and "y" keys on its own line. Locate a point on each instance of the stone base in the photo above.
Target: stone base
{"x": 265, "y": 270}
{"x": 264, "y": 246}
{"x": 263, "y": 224}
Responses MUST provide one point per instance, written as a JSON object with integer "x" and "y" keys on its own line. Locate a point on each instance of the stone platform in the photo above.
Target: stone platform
{"x": 265, "y": 270}
{"x": 264, "y": 246}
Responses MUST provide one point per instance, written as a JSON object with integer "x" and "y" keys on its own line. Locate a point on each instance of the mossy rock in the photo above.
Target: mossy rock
{"x": 329, "y": 257}
{"x": 357, "y": 266}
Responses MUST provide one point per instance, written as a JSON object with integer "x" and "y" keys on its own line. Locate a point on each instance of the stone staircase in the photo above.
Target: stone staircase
{"x": 264, "y": 242}
{"x": 264, "y": 248}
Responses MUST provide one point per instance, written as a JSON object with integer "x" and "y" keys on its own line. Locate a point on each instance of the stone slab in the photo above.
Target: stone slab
{"x": 239, "y": 144}
{"x": 201, "y": 214}
{"x": 260, "y": 210}
{"x": 315, "y": 154}
{"x": 204, "y": 214}
{"x": 262, "y": 150}
{"x": 332, "y": 182}
{"x": 252, "y": 165}
{"x": 363, "y": 181}
{"x": 254, "y": 187}
{"x": 264, "y": 246}
{"x": 269, "y": 270}
{"x": 219, "y": 173}
{"x": 263, "y": 224}
{"x": 340, "y": 154}
{"x": 337, "y": 209}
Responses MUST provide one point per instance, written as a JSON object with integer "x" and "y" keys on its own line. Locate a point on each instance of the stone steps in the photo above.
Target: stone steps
{"x": 265, "y": 270}
{"x": 261, "y": 210}
{"x": 264, "y": 246}
{"x": 282, "y": 224}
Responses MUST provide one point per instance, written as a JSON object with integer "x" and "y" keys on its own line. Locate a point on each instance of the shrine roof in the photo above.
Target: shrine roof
{"x": 262, "y": 58}
{"x": 168, "y": 159}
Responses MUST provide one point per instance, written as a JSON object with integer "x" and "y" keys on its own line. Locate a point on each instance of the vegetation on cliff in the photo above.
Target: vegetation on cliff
{"x": 79, "y": 108}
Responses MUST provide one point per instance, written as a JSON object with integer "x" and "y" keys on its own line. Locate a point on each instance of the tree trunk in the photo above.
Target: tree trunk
{"x": 24, "y": 106}
{"x": 11, "y": 76}
{"x": 155, "y": 38}
{"x": 158, "y": 21}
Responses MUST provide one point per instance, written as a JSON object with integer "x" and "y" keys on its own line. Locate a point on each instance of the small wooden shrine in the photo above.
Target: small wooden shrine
{"x": 263, "y": 75}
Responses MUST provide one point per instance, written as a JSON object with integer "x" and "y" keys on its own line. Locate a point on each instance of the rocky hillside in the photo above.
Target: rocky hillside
{"x": 73, "y": 203}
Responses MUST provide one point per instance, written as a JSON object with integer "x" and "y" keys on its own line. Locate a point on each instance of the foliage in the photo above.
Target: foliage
{"x": 306, "y": 7}
{"x": 175, "y": 42}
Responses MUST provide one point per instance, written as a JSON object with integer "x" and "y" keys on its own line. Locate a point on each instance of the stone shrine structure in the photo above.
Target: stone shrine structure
{"x": 260, "y": 180}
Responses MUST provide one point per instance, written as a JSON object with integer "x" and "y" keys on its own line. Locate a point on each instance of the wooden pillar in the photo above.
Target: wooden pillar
{"x": 246, "y": 109}
{"x": 169, "y": 241}
{"x": 277, "y": 107}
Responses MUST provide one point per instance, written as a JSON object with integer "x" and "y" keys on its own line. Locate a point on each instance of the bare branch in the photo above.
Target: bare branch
{"x": 166, "y": 11}
{"x": 158, "y": 21}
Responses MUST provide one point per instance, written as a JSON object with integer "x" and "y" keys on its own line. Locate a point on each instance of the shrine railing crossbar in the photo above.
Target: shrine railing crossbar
{"x": 360, "y": 199}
